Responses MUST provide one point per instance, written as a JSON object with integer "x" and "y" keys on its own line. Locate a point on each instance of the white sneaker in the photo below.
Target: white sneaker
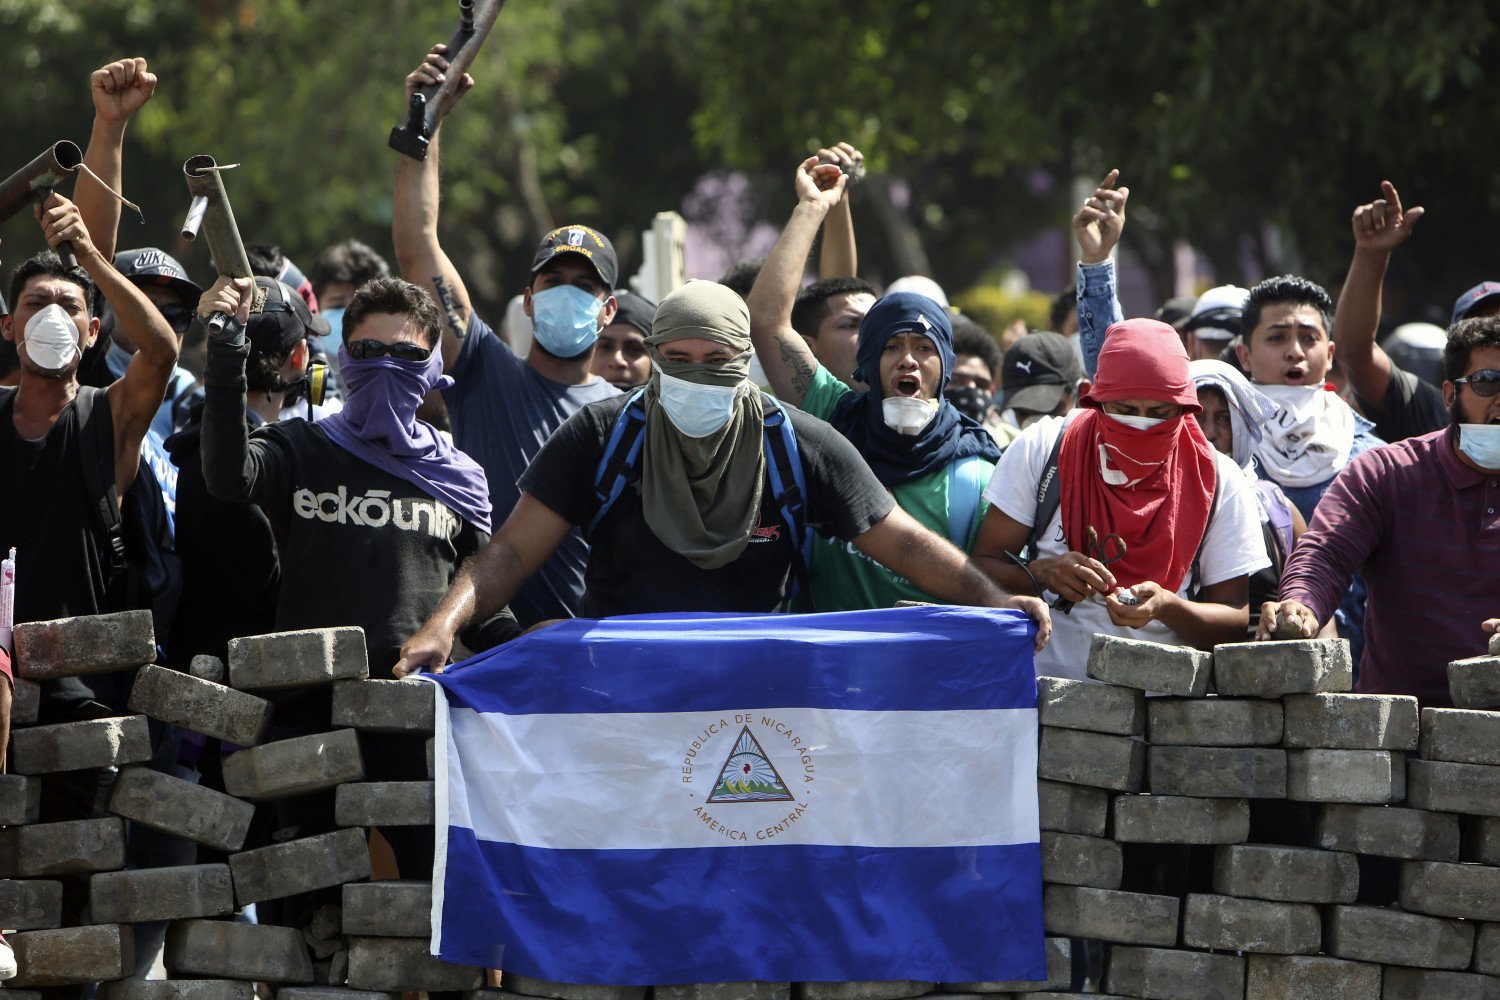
{"x": 7, "y": 960}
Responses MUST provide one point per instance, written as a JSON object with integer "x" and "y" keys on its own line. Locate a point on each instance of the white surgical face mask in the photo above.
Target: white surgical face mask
{"x": 1481, "y": 442}
{"x": 51, "y": 339}
{"x": 696, "y": 410}
{"x": 1139, "y": 423}
{"x": 907, "y": 415}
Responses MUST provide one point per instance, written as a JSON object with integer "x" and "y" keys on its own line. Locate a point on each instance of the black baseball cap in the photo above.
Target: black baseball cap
{"x": 1481, "y": 292}
{"x": 280, "y": 318}
{"x": 592, "y": 245}
{"x": 1037, "y": 370}
{"x": 150, "y": 266}
{"x": 635, "y": 310}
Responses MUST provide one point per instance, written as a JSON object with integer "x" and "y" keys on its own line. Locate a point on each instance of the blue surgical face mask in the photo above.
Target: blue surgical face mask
{"x": 695, "y": 409}
{"x": 566, "y": 319}
{"x": 1481, "y": 442}
{"x": 335, "y": 318}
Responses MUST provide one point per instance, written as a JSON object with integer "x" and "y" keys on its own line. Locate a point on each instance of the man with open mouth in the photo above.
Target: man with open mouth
{"x": 934, "y": 460}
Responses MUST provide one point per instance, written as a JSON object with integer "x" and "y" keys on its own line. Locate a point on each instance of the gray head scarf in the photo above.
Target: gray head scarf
{"x": 1249, "y": 408}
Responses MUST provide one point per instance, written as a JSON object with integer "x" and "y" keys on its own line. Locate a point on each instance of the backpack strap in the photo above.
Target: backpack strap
{"x": 95, "y": 444}
{"x": 967, "y": 479}
{"x": 789, "y": 491}
{"x": 1213, "y": 508}
{"x": 1048, "y": 498}
{"x": 621, "y": 462}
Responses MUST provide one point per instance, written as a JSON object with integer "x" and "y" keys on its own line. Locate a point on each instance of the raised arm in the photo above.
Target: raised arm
{"x": 1379, "y": 228}
{"x": 1098, "y": 226}
{"x": 837, "y": 255}
{"x": 120, "y": 89}
{"x": 487, "y": 582}
{"x": 785, "y": 356}
{"x": 414, "y": 222}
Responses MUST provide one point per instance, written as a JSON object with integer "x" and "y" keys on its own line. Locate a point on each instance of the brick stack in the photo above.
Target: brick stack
{"x": 1124, "y": 781}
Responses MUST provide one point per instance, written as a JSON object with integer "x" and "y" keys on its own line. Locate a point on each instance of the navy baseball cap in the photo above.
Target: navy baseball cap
{"x": 150, "y": 266}
{"x": 1481, "y": 292}
{"x": 590, "y": 244}
{"x": 280, "y": 318}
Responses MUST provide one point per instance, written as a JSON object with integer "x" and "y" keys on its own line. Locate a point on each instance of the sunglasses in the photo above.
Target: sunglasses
{"x": 405, "y": 350}
{"x": 179, "y": 318}
{"x": 1485, "y": 382}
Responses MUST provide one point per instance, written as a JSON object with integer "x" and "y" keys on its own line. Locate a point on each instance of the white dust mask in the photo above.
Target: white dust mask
{"x": 1139, "y": 423}
{"x": 51, "y": 339}
{"x": 907, "y": 414}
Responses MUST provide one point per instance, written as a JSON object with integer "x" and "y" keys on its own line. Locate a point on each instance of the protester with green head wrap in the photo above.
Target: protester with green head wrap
{"x": 690, "y": 522}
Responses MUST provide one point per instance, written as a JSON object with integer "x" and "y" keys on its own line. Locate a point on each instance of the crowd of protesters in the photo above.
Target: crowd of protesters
{"x": 758, "y": 444}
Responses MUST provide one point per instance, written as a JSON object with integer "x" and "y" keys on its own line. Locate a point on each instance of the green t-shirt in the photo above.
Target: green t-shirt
{"x": 844, "y": 578}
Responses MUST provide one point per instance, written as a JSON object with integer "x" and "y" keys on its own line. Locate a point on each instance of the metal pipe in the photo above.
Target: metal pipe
{"x": 217, "y": 223}
{"x": 34, "y": 183}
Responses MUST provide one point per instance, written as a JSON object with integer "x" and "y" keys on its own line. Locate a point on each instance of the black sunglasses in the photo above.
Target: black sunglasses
{"x": 179, "y": 318}
{"x": 405, "y": 350}
{"x": 1485, "y": 382}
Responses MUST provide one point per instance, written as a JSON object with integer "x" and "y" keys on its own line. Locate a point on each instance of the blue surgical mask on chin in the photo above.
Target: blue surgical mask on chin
{"x": 1481, "y": 442}
{"x": 566, "y": 319}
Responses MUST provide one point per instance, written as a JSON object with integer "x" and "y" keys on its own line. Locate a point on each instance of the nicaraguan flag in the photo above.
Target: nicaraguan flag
{"x": 719, "y": 798}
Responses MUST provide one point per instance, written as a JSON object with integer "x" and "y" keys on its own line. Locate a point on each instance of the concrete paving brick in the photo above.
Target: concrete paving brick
{"x": 388, "y": 909}
{"x": 181, "y": 808}
{"x": 296, "y": 766}
{"x": 20, "y": 799}
{"x": 73, "y": 847}
{"x": 1425, "y": 984}
{"x": 1463, "y": 736}
{"x": 1068, "y": 859}
{"x": 1272, "y": 669}
{"x": 1389, "y": 832}
{"x": 1233, "y": 924}
{"x": 74, "y": 746}
{"x": 431, "y": 761}
{"x": 1348, "y": 776}
{"x": 88, "y": 644}
{"x": 1217, "y": 772}
{"x": 202, "y": 706}
{"x": 1495, "y": 644}
{"x": 342, "y": 993}
{"x": 1150, "y": 666}
{"x": 384, "y": 803}
{"x": 25, "y": 703}
{"x": 381, "y": 706}
{"x": 723, "y": 991}
{"x": 1475, "y": 682}
{"x": 526, "y": 986}
{"x": 1175, "y": 819}
{"x": 178, "y": 989}
{"x": 1481, "y": 840}
{"x": 297, "y": 659}
{"x": 1097, "y": 708}
{"x": 72, "y": 955}
{"x": 1072, "y": 808}
{"x": 1351, "y": 721}
{"x": 300, "y": 865}
{"x": 30, "y": 904}
{"x": 404, "y": 964}
{"x": 1174, "y": 975}
{"x": 223, "y": 949}
{"x": 209, "y": 668}
{"x": 1445, "y": 787}
{"x": 1213, "y": 722}
{"x": 1286, "y": 874}
{"x": 1487, "y": 950}
{"x": 160, "y": 894}
{"x": 1094, "y": 759}
{"x": 1059, "y": 974}
{"x": 896, "y": 990}
{"x": 1377, "y": 934}
{"x": 1441, "y": 889}
{"x": 1110, "y": 915}
{"x": 1307, "y": 977}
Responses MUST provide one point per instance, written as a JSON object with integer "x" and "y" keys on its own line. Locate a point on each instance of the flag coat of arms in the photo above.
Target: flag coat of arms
{"x": 722, "y": 798}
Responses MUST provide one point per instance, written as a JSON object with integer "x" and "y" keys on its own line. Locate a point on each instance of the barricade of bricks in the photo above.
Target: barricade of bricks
{"x": 1222, "y": 837}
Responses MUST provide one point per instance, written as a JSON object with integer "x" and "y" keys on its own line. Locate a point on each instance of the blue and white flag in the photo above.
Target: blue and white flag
{"x": 720, "y": 798}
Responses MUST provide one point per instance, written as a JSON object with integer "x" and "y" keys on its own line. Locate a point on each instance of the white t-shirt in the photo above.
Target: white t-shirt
{"x": 1233, "y": 547}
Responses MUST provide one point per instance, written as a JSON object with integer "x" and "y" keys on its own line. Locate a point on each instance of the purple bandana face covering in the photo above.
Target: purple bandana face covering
{"x": 379, "y": 424}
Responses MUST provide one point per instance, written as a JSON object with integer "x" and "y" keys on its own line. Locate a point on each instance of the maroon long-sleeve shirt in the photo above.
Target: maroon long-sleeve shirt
{"x": 1424, "y": 528}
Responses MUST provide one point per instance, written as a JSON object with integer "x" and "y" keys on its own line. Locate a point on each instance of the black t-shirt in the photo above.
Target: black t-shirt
{"x": 1411, "y": 408}
{"x": 46, "y": 515}
{"x": 630, "y": 571}
{"x": 359, "y": 546}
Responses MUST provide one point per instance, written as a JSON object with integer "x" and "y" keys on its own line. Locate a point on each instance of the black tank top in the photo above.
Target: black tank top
{"x": 47, "y": 515}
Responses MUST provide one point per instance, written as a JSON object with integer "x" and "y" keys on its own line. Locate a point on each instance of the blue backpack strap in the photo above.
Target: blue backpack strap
{"x": 789, "y": 490}
{"x": 620, "y": 464}
{"x": 967, "y": 479}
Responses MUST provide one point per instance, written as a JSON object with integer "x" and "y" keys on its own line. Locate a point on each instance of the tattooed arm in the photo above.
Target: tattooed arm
{"x": 414, "y": 224}
{"x": 788, "y": 361}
